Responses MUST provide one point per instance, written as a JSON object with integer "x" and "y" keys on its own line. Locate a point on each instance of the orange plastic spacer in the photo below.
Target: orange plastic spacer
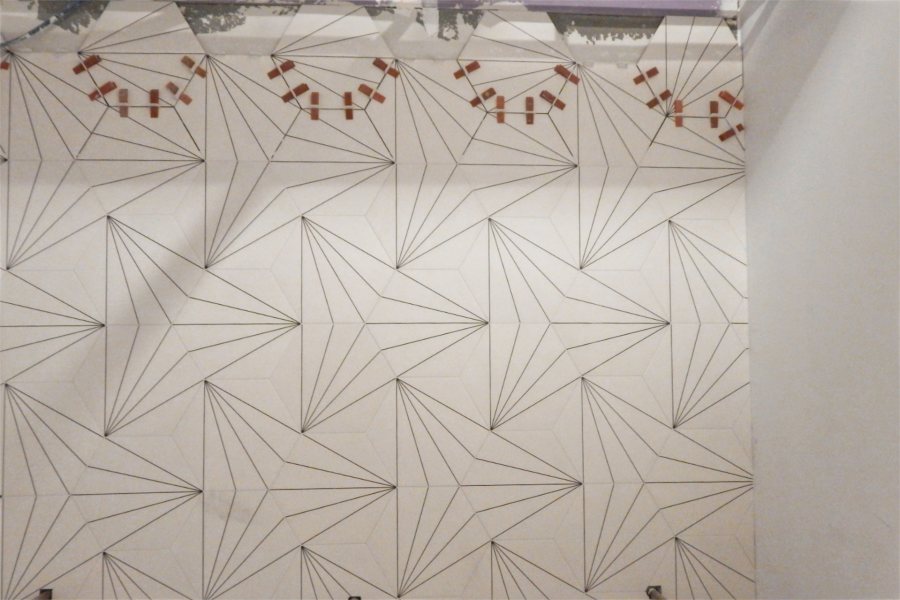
{"x": 314, "y": 109}
{"x": 730, "y": 99}
{"x": 154, "y": 100}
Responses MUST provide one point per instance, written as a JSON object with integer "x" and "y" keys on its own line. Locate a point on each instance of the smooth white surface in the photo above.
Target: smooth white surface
{"x": 822, "y": 91}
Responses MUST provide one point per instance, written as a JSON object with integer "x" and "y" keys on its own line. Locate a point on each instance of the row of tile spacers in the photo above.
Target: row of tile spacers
{"x": 461, "y": 72}
{"x": 386, "y": 68}
{"x": 86, "y": 64}
{"x": 572, "y": 77}
{"x": 193, "y": 67}
{"x": 282, "y": 68}
{"x": 678, "y": 110}
{"x": 529, "y": 104}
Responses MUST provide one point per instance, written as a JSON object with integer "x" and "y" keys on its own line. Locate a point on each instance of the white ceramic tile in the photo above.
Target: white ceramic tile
{"x": 401, "y": 339}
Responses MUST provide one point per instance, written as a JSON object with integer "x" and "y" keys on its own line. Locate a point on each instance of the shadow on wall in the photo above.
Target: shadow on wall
{"x": 756, "y": 16}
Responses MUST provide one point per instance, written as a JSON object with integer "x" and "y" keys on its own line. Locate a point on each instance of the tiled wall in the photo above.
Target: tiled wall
{"x": 286, "y": 316}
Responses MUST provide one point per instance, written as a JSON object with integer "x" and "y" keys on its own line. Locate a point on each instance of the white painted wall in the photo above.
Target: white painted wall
{"x": 822, "y": 98}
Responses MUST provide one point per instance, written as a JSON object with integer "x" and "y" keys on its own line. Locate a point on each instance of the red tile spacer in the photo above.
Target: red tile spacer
{"x": 201, "y": 72}
{"x": 384, "y": 67}
{"x": 104, "y": 90}
{"x": 561, "y": 70}
{"x": 368, "y": 91}
{"x": 297, "y": 91}
{"x": 172, "y": 87}
{"x": 488, "y": 93}
{"x": 314, "y": 109}
{"x": 501, "y": 106}
{"x": 727, "y": 97}
{"x": 726, "y": 135}
{"x": 653, "y": 103}
{"x": 665, "y": 95}
{"x": 645, "y": 76}
{"x": 4, "y": 66}
{"x": 123, "y": 103}
{"x": 282, "y": 68}
{"x": 89, "y": 62}
{"x": 154, "y": 99}
{"x": 740, "y": 127}
{"x": 188, "y": 62}
{"x": 472, "y": 66}
{"x": 529, "y": 110}
{"x": 475, "y": 101}
{"x": 185, "y": 98}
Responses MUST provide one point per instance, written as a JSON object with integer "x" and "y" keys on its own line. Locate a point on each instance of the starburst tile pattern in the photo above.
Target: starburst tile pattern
{"x": 325, "y": 322}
